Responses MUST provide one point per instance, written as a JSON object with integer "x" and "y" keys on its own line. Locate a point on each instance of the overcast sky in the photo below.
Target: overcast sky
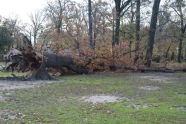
{"x": 22, "y": 8}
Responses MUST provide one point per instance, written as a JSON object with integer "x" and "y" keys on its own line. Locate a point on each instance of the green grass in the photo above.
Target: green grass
{"x": 59, "y": 103}
{"x": 9, "y": 74}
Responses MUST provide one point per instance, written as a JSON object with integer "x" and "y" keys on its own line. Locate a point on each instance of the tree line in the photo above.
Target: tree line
{"x": 144, "y": 29}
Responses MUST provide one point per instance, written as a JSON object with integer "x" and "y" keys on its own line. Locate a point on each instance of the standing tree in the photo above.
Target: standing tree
{"x": 152, "y": 31}
{"x": 91, "y": 44}
{"x": 179, "y": 10}
{"x": 37, "y": 19}
{"x": 138, "y": 4}
{"x": 57, "y": 13}
{"x": 120, "y": 7}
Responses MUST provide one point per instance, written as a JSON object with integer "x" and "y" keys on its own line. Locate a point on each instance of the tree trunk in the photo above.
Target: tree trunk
{"x": 91, "y": 45}
{"x": 152, "y": 31}
{"x": 180, "y": 50}
{"x": 138, "y": 4}
{"x": 182, "y": 31}
{"x": 35, "y": 36}
{"x": 117, "y": 28}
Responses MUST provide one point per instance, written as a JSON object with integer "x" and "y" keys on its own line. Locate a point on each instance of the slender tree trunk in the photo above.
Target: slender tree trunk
{"x": 180, "y": 47}
{"x": 182, "y": 31}
{"x": 117, "y": 23}
{"x": 117, "y": 29}
{"x": 91, "y": 45}
{"x": 35, "y": 35}
{"x": 95, "y": 29}
{"x": 130, "y": 48}
{"x": 152, "y": 32}
{"x": 113, "y": 29}
{"x": 138, "y": 4}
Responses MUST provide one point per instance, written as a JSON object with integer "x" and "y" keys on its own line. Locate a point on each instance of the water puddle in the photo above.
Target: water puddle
{"x": 102, "y": 99}
{"x": 161, "y": 79}
{"x": 138, "y": 106}
{"x": 2, "y": 98}
{"x": 183, "y": 108}
{"x": 149, "y": 88}
{"x": 182, "y": 94}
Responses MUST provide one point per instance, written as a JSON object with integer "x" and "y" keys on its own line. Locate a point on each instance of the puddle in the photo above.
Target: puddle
{"x": 149, "y": 88}
{"x": 182, "y": 94}
{"x": 183, "y": 108}
{"x": 10, "y": 115}
{"x": 2, "y": 98}
{"x": 102, "y": 99}
{"x": 138, "y": 106}
{"x": 159, "y": 79}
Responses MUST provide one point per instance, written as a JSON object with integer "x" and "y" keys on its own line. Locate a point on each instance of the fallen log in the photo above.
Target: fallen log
{"x": 144, "y": 69}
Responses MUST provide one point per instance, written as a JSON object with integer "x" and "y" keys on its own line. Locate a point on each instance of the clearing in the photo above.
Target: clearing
{"x": 100, "y": 98}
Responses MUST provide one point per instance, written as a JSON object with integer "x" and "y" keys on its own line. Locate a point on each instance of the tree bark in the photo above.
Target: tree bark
{"x": 182, "y": 31}
{"x": 117, "y": 28}
{"x": 91, "y": 44}
{"x": 152, "y": 31}
{"x": 138, "y": 4}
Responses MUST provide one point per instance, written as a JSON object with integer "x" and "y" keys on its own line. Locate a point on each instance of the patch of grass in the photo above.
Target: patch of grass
{"x": 60, "y": 102}
{"x": 9, "y": 74}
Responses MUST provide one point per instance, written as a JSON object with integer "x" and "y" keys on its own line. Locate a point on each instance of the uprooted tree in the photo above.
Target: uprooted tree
{"x": 27, "y": 59}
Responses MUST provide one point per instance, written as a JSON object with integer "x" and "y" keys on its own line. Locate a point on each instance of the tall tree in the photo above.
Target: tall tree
{"x": 150, "y": 43}
{"x": 56, "y": 11}
{"x": 37, "y": 19}
{"x": 120, "y": 7}
{"x": 138, "y": 4}
{"x": 179, "y": 5}
{"x": 91, "y": 44}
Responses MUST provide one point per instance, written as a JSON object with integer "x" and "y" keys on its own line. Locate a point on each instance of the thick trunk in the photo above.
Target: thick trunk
{"x": 152, "y": 31}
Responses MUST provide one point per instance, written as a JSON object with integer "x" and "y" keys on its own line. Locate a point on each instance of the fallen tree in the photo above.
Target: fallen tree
{"x": 145, "y": 69}
{"x": 27, "y": 59}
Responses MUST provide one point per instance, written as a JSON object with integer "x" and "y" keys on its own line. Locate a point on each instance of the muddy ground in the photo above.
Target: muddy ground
{"x": 130, "y": 90}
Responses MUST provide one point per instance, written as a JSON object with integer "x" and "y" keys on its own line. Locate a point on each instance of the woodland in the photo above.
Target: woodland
{"x": 95, "y": 62}
{"x": 126, "y": 35}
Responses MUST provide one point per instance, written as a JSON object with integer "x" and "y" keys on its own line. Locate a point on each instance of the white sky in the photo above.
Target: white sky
{"x": 21, "y": 9}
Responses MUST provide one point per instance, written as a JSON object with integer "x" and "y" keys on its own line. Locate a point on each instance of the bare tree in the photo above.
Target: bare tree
{"x": 150, "y": 43}
{"x": 56, "y": 12}
{"x": 37, "y": 19}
